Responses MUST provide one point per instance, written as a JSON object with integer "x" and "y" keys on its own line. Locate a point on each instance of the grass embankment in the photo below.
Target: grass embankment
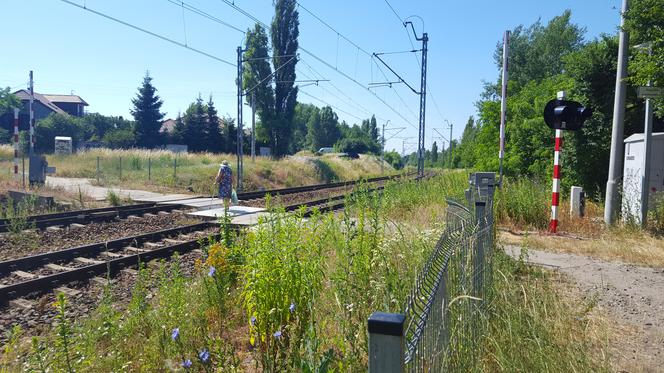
{"x": 166, "y": 171}
{"x": 294, "y": 295}
{"x": 523, "y": 208}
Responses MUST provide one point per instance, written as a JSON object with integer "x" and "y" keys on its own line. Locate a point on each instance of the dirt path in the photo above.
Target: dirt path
{"x": 631, "y": 294}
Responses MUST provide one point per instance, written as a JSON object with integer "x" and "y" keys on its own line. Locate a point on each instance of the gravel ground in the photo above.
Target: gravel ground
{"x": 631, "y": 294}
{"x": 39, "y": 317}
{"x": 16, "y": 246}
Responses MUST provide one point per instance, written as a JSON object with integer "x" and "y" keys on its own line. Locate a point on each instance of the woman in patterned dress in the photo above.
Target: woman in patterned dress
{"x": 225, "y": 180}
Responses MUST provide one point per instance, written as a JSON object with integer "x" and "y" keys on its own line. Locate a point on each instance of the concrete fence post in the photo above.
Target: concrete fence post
{"x": 149, "y": 169}
{"x": 97, "y": 170}
{"x": 478, "y": 255}
{"x": 386, "y": 342}
{"x": 120, "y": 168}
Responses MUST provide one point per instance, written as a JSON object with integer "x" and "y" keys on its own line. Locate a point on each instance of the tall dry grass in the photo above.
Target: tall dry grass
{"x": 162, "y": 170}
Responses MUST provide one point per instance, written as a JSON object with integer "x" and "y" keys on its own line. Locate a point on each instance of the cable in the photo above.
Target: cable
{"x": 148, "y": 32}
{"x": 394, "y": 11}
{"x": 250, "y": 16}
{"x": 350, "y": 101}
{"x": 330, "y": 105}
{"x": 333, "y": 29}
{"x": 202, "y": 13}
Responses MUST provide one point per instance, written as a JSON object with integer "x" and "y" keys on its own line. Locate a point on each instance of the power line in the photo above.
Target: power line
{"x": 350, "y": 101}
{"x": 330, "y": 105}
{"x": 148, "y": 32}
{"x": 202, "y": 13}
{"x": 393, "y": 11}
{"x": 333, "y": 29}
{"x": 250, "y": 16}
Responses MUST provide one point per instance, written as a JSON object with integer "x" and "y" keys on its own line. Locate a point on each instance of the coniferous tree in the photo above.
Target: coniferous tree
{"x": 214, "y": 137}
{"x": 194, "y": 122}
{"x": 147, "y": 114}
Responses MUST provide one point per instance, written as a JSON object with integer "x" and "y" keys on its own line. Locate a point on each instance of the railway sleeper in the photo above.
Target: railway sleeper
{"x": 57, "y": 267}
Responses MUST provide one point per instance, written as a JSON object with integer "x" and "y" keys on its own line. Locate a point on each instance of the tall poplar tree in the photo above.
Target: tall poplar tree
{"x": 284, "y": 33}
{"x": 147, "y": 114}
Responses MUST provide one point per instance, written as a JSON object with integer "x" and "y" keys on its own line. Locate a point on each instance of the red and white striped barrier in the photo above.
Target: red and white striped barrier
{"x": 16, "y": 112}
{"x": 555, "y": 195}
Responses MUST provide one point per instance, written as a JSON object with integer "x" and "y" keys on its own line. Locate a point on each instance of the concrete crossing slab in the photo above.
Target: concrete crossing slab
{"x": 233, "y": 211}
{"x": 165, "y": 198}
{"x": 186, "y": 202}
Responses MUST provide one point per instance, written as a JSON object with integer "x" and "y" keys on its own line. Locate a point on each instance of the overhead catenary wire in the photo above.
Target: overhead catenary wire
{"x": 154, "y": 34}
{"x": 330, "y": 105}
{"x": 350, "y": 101}
{"x": 319, "y": 59}
{"x": 204, "y": 14}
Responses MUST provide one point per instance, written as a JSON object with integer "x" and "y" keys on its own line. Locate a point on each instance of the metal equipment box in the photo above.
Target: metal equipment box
{"x": 633, "y": 173}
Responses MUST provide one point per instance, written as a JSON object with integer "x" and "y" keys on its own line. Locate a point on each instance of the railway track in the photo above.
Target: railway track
{"x": 307, "y": 188}
{"x": 105, "y": 214}
{"x": 86, "y": 216}
{"x": 37, "y": 274}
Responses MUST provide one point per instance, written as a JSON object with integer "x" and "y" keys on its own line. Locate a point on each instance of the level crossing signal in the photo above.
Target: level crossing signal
{"x": 565, "y": 115}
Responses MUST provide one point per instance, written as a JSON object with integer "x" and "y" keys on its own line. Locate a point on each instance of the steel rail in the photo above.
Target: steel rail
{"x": 307, "y": 188}
{"x": 87, "y": 216}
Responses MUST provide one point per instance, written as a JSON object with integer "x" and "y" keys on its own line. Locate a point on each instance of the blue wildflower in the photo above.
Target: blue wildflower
{"x": 212, "y": 271}
{"x": 186, "y": 364}
{"x": 292, "y": 307}
{"x": 253, "y": 320}
{"x": 204, "y": 355}
{"x": 277, "y": 334}
{"x": 175, "y": 334}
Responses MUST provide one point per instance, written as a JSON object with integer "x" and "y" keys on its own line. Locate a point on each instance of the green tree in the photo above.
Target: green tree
{"x": 323, "y": 129}
{"x": 8, "y": 101}
{"x": 284, "y": 33}
{"x": 194, "y": 120}
{"x": 214, "y": 139}
{"x": 300, "y": 122}
{"x": 59, "y": 125}
{"x": 146, "y": 112}
{"x": 645, "y": 23}
{"x": 434, "y": 153}
{"x": 257, "y": 78}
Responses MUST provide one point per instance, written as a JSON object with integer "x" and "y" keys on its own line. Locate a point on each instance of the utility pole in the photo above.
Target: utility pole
{"x": 647, "y": 145}
{"x": 239, "y": 118}
{"x": 253, "y": 127}
{"x": 32, "y": 116}
{"x": 382, "y": 150}
{"x": 423, "y": 98}
{"x": 503, "y": 107}
{"x": 450, "y": 140}
{"x": 615, "y": 159}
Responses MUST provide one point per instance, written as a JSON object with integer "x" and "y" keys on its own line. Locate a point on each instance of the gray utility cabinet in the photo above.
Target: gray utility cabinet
{"x": 633, "y": 172}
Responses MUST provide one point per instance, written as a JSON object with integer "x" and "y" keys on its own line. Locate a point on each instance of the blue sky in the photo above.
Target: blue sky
{"x": 70, "y": 49}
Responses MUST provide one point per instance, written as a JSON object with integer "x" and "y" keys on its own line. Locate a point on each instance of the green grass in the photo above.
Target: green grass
{"x": 524, "y": 203}
{"x": 295, "y": 295}
{"x": 533, "y": 327}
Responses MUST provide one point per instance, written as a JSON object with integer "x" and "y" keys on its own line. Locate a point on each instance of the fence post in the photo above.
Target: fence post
{"x": 120, "y": 168}
{"x": 149, "y": 169}
{"x": 478, "y": 255}
{"x": 175, "y": 170}
{"x": 97, "y": 170}
{"x": 386, "y": 342}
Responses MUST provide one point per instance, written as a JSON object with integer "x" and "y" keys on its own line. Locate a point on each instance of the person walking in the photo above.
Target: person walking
{"x": 225, "y": 180}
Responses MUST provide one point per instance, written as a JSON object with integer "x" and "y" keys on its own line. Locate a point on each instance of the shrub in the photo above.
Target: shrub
{"x": 523, "y": 203}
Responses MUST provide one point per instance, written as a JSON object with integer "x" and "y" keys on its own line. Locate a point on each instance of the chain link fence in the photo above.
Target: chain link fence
{"x": 445, "y": 313}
